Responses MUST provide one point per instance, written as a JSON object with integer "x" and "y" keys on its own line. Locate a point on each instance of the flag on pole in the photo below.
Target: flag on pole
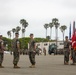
{"x": 70, "y": 32}
{"x": 74, "y": 27}
{"x": 73, "y": 34}
{"x": 74, "y": 37}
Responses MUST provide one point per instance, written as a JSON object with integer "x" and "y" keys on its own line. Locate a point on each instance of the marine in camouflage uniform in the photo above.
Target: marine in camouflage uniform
{"x": 32, "y": 51}
{"x": 66, "y": 50}
{"x": 1, "y": 51}
{"x": 16, "y": 50}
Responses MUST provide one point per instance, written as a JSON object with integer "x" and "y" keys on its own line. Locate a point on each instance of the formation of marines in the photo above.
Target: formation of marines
{"x": 68, "y": 49}
{"x": 16, "y": 51}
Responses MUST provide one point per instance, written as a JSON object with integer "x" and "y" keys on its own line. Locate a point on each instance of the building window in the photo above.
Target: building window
{"x": 38, "y": 44}
{"x": 45, "y": 44}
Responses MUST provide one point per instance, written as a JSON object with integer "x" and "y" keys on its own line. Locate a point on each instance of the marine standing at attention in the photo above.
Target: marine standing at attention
{"x": 16, "y": 50}
{"x": 32, "y": 51}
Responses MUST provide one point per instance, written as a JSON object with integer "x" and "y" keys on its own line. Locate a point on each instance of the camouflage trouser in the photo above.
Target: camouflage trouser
{"x": 1, "y": 57}
{"x": 66, "y": 56}
{"x": 32, "y": 57}
{"x": 16, "y": 58}
{"x": 74, "y": 56}
{"x": 71, "y": 53}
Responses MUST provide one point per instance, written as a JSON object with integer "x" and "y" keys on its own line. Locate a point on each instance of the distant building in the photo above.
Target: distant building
{"x": 45, "y": 45}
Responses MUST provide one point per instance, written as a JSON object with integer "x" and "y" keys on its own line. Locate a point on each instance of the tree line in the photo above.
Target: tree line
{"x": 23, "y": 41}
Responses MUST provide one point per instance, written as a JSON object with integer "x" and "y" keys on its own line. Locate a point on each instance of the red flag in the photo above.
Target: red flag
{"x": 74, "y": 37}
{"x": 74, "y": 40}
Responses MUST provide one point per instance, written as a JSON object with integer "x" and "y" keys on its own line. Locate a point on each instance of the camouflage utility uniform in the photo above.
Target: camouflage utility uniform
{"x": 1, "y": 52}
{"x": 16, "y": 51}
{"x": 31, "y": 52}
{"x": 66, "y": 51}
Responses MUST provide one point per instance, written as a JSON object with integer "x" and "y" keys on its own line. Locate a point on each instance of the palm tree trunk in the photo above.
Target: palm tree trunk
{"x": 50, "y": 33}
{"x": 22, "y": 31}
{"x": 9, "y": 36}
{"x": 13, "y": 34}
{"x": 24, "y": 34}
{"x": 56, "y": 38}
{"x": 46, "y": 33}
{"x": 63, "y": 36}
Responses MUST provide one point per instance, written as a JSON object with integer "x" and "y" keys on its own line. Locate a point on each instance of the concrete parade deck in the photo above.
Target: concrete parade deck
{"x": 45, "y": 65}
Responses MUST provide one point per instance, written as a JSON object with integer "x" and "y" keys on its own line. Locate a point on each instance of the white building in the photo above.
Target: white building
{"x": 45, "y": 45}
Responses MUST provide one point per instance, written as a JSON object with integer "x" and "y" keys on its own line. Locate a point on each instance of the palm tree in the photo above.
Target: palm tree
{"x": 13, "y": 30}
{"x": 23, "y": 31}
{"x": 51, "y": 25}
{"x": 18, "y": 29}
{"x": 63, "y": 28}
{"x": 24, "y": 25}
{"x": 55, "y": 22}
{"x": 9, "y": 34}
{"x": 46, "y": 26}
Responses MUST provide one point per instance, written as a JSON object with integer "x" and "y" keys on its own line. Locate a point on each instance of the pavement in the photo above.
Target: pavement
{"x": 45, "y": 65}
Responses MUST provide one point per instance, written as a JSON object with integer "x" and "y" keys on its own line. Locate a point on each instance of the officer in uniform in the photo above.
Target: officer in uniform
{"x": 66, "y": 50}
{"x": 1, "y": 51}
{"x": 16, "y": 50}
{"x": 32, "y": 51}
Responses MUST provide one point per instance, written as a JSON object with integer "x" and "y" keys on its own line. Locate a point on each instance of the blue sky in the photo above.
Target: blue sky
{"x": 37, "y": 13}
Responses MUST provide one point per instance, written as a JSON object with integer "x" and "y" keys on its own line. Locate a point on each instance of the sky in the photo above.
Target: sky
{"x": 36, "y": 13}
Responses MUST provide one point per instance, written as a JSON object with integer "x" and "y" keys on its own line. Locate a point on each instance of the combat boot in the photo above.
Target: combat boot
{"x": 66, "y": 63}
{"x": 1, "y": 66}
{"x": 32, "y": 66}
{"x": 15, "y": 66}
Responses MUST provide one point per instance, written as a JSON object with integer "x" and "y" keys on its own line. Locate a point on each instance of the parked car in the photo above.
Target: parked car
{"x": 52, "y": 49}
